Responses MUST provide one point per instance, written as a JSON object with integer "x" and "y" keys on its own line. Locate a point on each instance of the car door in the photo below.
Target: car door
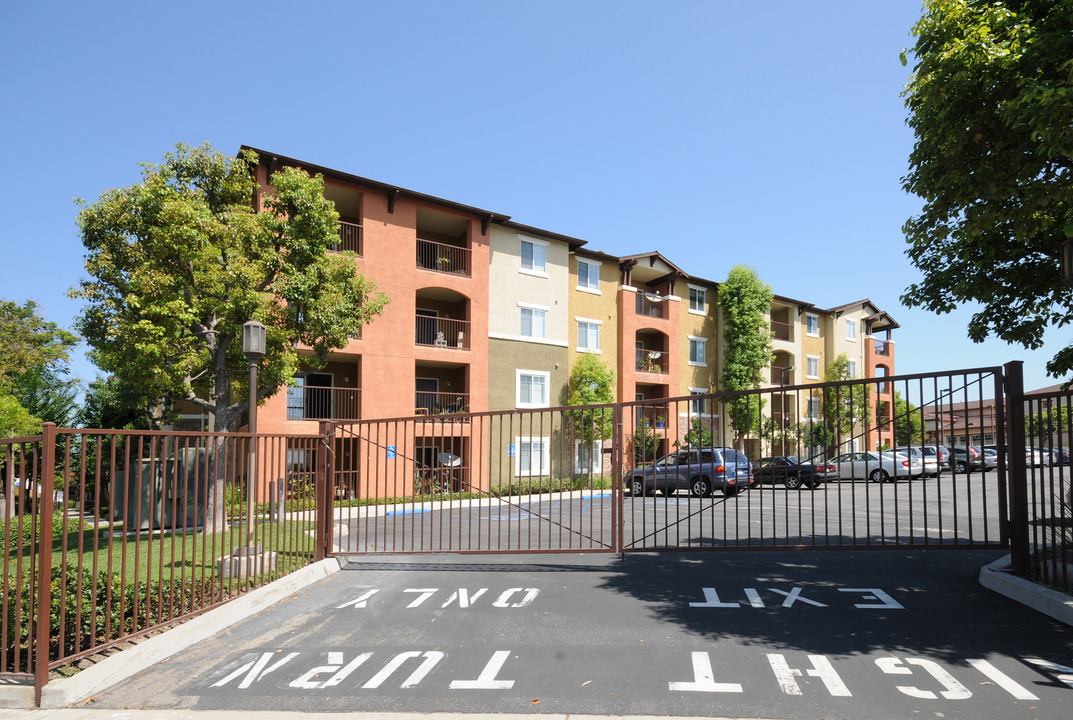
{"x": 687, "y": 465}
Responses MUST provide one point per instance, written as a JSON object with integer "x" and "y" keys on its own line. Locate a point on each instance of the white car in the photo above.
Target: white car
{"x": 877, "y": 466}
{"x": 930, "y": 462}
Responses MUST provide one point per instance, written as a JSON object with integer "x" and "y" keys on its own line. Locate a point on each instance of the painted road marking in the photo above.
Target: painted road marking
{"x": 331, "y": 670}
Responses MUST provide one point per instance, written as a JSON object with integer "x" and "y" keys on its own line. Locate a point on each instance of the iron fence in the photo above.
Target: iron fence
{"x": 112, "y": 534}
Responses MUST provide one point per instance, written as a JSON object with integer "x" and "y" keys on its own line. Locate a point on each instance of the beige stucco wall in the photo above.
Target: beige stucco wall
{"x": 700, "y": 325}
{"x": 509, "y": 285}
{"x": 837, "y": 342}
{"x": 599, "y": 306}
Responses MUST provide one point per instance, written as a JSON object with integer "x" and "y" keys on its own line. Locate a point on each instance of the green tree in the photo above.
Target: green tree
{"x": 990, "y": 101}
{"x": 178, "y": 262}
{"x": 845, "y": 408}
{"x": 745, "y": 301}
{"x": 31, "y": 349}
{"x": 908, "y": 423}
{"x": 591, "y": 382}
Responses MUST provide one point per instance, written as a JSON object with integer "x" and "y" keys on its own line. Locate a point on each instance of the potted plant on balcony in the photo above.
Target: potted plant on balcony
{"x": 661, "y": 421}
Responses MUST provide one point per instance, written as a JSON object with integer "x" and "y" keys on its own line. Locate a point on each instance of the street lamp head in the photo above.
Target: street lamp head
{"x": 253, "y": 340}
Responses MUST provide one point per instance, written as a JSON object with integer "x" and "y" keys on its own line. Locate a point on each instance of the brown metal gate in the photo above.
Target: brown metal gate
{"x": 551, "y": 480}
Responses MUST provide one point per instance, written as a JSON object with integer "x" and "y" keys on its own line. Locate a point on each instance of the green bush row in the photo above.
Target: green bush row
{"x": 14, "y": 534}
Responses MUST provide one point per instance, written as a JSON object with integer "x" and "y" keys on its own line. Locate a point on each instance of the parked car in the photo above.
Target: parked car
{"x": 969, "y": 459}
{"x": 700, "y": 470}
{"x": 793, "y": 472}
{"x": 877, "y": 466}
{"x": 941, "y": 454}
{"x": 930, "y": 462}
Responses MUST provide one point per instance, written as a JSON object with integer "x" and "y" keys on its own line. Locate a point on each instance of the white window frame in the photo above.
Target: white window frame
{"x": 519, "y": 374}
{"x": 812, "y": 367}
{"x": 693, "y": 409}
{"x": 592, "y": 274}
{"x": 542, "y": 270}
{"x": 851, "y": 367}
{"x": 703, "y": 310}
{"x": 533, "y": 310}
{"x": 811, "y": 319}
{"x": 851, "y": 330}
{"x": 702, "y": 343}
{"x": 595, "y": 459}
{"x": 585, "y": 346}
{"x": 812, "y": 407}
{"x": 544, "y": 466}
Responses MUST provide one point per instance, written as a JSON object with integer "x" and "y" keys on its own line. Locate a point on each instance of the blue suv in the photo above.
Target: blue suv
{"x": 700, "y": 470}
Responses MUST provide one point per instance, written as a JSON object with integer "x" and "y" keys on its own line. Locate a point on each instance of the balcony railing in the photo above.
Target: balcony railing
{"x": 882, "y": 347}
{"x": 652, "y": 361}
{"x": 437, "y": 403}
{"x": 349, "y": 238}
{"x": 305, "y": 402}
{"x": 648, "y": 307}
{"x": 442, "y": 332}
{"x": 443, "y": 258}
{"x": 782, "y": 331}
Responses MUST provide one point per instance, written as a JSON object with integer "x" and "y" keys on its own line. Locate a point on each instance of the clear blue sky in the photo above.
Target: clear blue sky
{"x": 770, "y": 134}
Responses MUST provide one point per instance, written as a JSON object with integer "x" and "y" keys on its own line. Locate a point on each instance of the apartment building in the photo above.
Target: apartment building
{"x": 488, "y": 314}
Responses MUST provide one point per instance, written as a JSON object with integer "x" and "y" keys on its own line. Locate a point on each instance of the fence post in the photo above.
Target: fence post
{"x": 47, "y": 481}
{"x": 1015, "y": 426}
{"x": 325, "y": 496}
{"x": 618, "y": 448}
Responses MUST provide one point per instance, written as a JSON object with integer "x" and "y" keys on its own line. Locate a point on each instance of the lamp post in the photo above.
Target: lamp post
{"x": 253, "y": 347}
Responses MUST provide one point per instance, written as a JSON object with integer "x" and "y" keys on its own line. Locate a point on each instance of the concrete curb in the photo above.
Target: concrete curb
{"x": 118, "y": 667}
{"x": 998, "y": 578}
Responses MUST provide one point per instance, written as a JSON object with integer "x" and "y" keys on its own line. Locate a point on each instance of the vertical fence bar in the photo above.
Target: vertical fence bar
{"x": 1015, "y": 396}
{"x": 47, "y": 481}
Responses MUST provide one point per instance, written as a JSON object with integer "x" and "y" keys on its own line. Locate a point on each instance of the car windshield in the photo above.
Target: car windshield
{"x": 793, "y": 460}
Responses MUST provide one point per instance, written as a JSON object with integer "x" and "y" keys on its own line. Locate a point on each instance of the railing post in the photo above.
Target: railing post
{"x": 47, "y": 481}
{"x": 324, "y": 493}
{"x": 1018, "y": 472}
{"x": 618, "y": 448}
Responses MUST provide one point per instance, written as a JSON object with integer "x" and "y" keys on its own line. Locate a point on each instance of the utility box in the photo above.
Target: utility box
{"x": 163, "y": 493}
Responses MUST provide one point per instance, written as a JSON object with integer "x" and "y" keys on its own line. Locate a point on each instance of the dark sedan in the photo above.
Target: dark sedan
{"x": 793, "y": 472}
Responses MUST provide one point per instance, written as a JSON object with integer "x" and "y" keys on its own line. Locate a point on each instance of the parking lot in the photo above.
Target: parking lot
{"x": 749, "y": 634}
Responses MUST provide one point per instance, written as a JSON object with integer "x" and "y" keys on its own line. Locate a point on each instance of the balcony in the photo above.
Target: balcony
{"x": 782, "y": 331}
{"x": 442, "y": 332}
{"x": 882, "y": 348}
{"x": 779, "y": 375}
{"x": 349, "y": 238}
{"x": 444, "y": 258}
{"x": 649, "y": 305}
{"x": 651, "y": 361}
{"x": 306, "y": 402}
{"x": 440, "y": 403}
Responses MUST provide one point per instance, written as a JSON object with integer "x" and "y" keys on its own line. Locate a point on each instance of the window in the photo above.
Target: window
{"x": 851, "y": 330}
{"x": 697, "y": 350}
{"x": 813, "y": 408}
{"x": 533, "y": 388}
{"x": 532, "y": 456}
{"x": 534, "y": 322}
{"x": 535, "y": 256}
{"x": 588, "y": 335}
{"x": 588, "y": 276}
{"x": 697, "y": 300}
{"x": 851, "y": 367}
{"x": 812, "y": 367}
{"x": 587, "y": 458}
{"x": 698, "y": 405}
{"x": 812, "y": 325}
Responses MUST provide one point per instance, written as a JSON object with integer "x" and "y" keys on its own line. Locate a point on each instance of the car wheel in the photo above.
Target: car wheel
{"x": 793, "y": 482}
{"x": 637, "y": 488}
{"x": 959, "y": 467}
{"x": 878, "y": 476}
{"x": 700, "y": 487}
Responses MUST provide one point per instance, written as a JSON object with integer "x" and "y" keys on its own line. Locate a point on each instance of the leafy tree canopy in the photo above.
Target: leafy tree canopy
{"x": 745, "y": 301}
{"x": 178, "y": 262}
{"x": 33, "y": 361}
{"x": 991, "y": 103}
{"x": 591, "y": 382}
{"x": 908, "y": 422}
